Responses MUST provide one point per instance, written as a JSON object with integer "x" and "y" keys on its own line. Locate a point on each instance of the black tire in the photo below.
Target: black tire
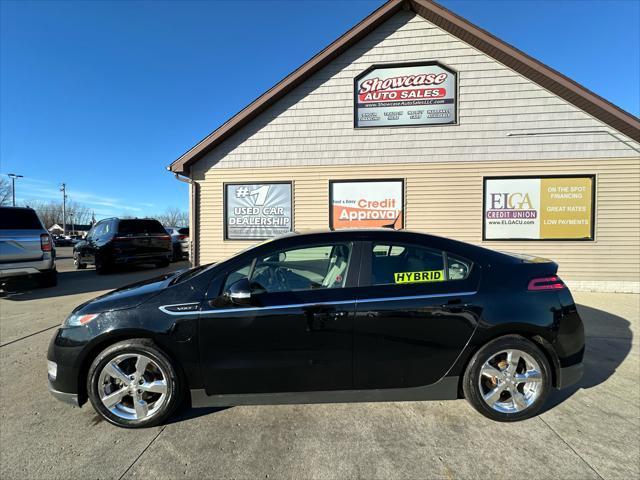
{"x": 77, "y": 263}
{"x": 175, "y": 253}
{"x": 48, "y": 279}
{"x": 102, "y": 265}
{"x": 471, "y": 381}
{"x": 163, "y": 263}
{"x": 149, "y": 349}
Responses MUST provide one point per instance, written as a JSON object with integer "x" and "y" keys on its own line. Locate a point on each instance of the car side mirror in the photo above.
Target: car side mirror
{"x": 239, "y": 293}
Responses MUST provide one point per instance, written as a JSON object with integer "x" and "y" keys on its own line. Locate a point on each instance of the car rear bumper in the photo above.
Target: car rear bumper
{"x": 147, "y": 258}
{"x": 568, "y": 376}
{"x": 33, "y": 267}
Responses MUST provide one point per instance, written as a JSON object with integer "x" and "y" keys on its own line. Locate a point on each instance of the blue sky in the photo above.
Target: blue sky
{"x": 104, "y": 95}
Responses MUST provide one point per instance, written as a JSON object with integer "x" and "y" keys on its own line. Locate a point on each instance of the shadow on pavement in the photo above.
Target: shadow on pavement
{"x": 187, "y": 413}
{"x": 84, "y": 281}
{"x": 608, "y": 342}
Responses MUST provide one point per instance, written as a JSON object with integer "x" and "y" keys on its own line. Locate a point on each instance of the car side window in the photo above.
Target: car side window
{"x": 299, "y": 269}
{"x": 404, "y": 264}
{"x": 457, "y": 268}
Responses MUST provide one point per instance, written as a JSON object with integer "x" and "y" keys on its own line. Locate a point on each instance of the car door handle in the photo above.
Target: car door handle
{"x": 318, "y": 320}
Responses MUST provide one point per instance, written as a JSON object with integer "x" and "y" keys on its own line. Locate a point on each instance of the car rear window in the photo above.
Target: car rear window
{"x": 135, "y": 227}
{"x": 19, "y": 219}
{"x": 183, "y": 231}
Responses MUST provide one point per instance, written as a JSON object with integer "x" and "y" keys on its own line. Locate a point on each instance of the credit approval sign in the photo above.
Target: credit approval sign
{"x": 405, "y": 94}
{"x": 366, "y": 204}
{"x": 539, "y": 208}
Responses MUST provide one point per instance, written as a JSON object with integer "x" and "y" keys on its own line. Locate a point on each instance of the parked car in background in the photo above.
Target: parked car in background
{"x": 66, "y": 240}
{"x": 180, "y": 241}
{"x": 350, "y": 315}
{"x": 62, "y": 241}
{"x": 113, "y": 242}
{"x": 26, "y": 247}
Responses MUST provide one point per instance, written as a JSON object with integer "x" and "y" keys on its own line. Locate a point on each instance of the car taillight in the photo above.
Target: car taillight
{"x": 166, "y": 237}
{"x": 45, "y": 242}
{"x": 546, "y": 283}
{"x": 183, "y": 237}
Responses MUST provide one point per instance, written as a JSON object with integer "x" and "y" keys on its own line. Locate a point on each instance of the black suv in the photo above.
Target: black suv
{"x": 115, "y": 241}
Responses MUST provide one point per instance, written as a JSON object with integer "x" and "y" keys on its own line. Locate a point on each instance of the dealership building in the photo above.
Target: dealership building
{"x": 417, "y": 119}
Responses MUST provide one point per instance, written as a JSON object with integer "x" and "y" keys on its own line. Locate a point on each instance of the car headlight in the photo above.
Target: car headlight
{"x": 77, "y": 319}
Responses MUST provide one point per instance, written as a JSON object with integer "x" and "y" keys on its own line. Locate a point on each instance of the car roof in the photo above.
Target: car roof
{"x": 388, "y": 235}
{"x": 7, "y": 207}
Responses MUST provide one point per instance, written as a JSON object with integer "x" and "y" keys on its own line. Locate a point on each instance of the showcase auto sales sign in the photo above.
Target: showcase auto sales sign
{"x": 409, "y": 94}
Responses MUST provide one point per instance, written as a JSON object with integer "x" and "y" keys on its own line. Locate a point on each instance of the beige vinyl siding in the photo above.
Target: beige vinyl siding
{"x": 313, "y": 124}
{"x": 446, "y": 199}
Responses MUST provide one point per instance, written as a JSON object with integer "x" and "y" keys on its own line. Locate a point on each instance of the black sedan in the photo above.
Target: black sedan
{"x": 346, "y": 316}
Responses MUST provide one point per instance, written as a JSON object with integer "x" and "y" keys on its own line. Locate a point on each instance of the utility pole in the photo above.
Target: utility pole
{"x": 63, "y": 189}
{"x": 13, "y": 177}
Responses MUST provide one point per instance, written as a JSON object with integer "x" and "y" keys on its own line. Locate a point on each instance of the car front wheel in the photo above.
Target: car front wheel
{"x": 133, "y": 384}
{"x": 77, "y": 263}
{"x": 508, "y": 379}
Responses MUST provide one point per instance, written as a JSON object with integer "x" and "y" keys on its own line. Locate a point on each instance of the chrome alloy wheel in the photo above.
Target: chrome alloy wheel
{"x": 510, "y": 381}
{"x": 133, "y": 386}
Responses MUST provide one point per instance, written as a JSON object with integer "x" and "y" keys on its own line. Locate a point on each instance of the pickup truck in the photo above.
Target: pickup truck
{"x": 26, "y": 248}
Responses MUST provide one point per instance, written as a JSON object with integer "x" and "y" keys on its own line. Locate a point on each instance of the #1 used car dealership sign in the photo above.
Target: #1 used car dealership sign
{"x": 257, "y": 210}
{"x": 539, "y": 208}
{"x": 405, "y": 94}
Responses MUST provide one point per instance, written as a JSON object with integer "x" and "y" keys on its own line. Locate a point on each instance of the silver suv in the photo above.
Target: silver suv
{"x": 26, "y": 248}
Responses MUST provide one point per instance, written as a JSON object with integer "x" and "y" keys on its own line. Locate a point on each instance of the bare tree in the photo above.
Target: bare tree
{"x": 5, "y": 191}
{"x": 174, "y": 217}
{"x": 51, "y": 212}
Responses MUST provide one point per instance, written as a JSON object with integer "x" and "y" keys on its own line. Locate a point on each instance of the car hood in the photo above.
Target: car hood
{"x": 129, "y": 296}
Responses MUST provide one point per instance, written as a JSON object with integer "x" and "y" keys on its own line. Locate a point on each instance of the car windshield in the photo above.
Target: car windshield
{"x": 134, "y": 227}
{"x": 190, "y": 273}
{"x": 19, "y": 219}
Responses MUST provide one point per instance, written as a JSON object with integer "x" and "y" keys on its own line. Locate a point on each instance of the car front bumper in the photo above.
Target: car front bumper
{"x": 70, "y": 398}
{"x": 63, "y": 365}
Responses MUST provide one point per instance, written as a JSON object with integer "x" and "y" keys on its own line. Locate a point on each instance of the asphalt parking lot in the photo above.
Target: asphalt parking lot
{"x": 589, "y": 431}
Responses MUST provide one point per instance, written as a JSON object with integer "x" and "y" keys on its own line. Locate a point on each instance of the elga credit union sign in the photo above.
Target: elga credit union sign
{"x": 257, "y": 210}
{"x": 539, "y": 208}
{"x": 366, "y": 204}
{"x": 405, "y": 94}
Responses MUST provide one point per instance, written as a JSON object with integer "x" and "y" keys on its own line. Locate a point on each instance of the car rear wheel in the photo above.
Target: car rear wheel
{"x": 48, "y": 278}
{"x": 133, "y": 384}
{"x": 162, "y": 264}
{"x": 508, "y": 379}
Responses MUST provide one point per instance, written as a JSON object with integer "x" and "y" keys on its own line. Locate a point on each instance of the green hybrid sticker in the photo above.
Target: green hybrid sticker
{"x": 419, "y": 277}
